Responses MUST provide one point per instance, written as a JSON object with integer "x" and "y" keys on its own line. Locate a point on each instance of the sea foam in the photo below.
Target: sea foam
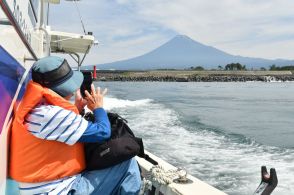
{"x": 230, "y": 162}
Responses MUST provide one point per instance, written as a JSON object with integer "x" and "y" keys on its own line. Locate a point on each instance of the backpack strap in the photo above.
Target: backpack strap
{"x": 151, "y": 160}
{"x": 142, "y": 153}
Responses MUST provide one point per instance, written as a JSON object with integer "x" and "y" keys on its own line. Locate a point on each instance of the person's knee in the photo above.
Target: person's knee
{"x": 132, "y": 182}
{"x": 134, "y": 167}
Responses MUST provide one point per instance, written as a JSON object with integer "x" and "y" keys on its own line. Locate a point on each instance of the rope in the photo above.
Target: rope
{"x": 80, "y": 17}
{"x": 158, "y": 176}
{"x": 146, "y": 185}
{"x": 161, "y": 176}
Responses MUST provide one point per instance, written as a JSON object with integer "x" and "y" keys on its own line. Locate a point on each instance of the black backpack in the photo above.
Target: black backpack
{"x": 121, "y": 146}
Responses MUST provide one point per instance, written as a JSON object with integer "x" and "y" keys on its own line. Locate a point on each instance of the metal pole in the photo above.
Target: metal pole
{"x": 42, "y": 14}
{"x": 89, "y": 47}
{"x": 48, "y": 9}
{"x": 77, "y": 60}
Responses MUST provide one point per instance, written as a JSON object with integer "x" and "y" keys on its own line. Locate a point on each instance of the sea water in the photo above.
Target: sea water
{"x": 222, "y": 133}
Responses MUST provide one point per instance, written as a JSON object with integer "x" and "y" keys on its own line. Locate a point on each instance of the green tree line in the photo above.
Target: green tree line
{"x": 274, "y": 67}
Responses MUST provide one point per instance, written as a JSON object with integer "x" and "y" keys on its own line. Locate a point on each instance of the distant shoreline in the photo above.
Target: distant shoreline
{"x": 194, "y": 76}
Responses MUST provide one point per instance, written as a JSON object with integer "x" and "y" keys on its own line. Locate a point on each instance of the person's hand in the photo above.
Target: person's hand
{"x": 95, "y": 99}
{"x": 80, "y": 102}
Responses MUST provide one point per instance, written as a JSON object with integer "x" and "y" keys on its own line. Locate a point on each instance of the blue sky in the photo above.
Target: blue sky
{"x": 128, "y": 28}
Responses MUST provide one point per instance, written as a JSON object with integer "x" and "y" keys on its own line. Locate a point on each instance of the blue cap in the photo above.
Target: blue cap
{"x": 55, "y": 73}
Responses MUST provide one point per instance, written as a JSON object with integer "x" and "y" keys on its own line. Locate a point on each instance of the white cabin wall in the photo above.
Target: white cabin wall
{"x": 28, "y": 16}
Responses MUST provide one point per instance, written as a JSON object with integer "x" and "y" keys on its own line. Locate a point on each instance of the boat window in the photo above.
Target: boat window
{"x": 34, "y": 5}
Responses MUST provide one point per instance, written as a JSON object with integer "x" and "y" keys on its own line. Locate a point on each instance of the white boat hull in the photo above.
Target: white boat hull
{"x": 195, "y": 186}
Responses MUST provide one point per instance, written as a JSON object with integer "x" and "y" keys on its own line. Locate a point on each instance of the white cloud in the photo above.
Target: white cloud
{"x": 125, "y": 49}
{"x": 127, "y": 28}
{"x": 228, "y": 24}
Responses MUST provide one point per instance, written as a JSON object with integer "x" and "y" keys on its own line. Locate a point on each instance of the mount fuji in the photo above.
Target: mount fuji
{"x": 182, "y": 52}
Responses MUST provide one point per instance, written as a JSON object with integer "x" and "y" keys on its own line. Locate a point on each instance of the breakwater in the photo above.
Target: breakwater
{"x": 195, "y": 76}
{"x": 209, "y": 78}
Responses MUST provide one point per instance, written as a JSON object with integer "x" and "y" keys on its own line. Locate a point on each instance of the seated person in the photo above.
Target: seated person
{"x": 46, "y": 150}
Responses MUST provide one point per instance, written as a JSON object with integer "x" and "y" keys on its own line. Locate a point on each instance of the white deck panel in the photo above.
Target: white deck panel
{"x": 63, "y": 42}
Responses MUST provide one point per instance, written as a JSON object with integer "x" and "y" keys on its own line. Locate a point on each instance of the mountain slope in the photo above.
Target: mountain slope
{"x": 183, "y": 52}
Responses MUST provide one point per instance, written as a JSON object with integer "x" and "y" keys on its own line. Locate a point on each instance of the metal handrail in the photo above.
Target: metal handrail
{"x": 12, "y": 20}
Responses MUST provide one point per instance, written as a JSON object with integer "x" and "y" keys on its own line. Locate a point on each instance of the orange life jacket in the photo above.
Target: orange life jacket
{"x": 37, "y": 160}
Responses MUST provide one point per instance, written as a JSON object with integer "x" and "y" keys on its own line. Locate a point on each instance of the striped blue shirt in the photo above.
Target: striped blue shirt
{"x": 55, "y": 123}
{"x": 56, "y": 187}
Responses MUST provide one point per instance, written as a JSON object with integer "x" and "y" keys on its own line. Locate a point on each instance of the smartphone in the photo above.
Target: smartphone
{"x": 86, "y": 85}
